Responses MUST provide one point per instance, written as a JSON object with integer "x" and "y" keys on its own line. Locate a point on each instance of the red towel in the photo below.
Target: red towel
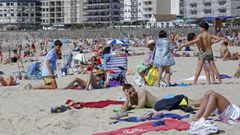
{"x": 99, "y": 104}
{"x": 147, "y": 127}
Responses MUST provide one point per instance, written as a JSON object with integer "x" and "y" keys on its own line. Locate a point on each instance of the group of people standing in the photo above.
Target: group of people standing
{"x": 161, "y": 56}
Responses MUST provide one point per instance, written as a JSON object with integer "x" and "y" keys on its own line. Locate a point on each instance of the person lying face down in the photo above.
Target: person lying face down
{"x": 143, "y": 99}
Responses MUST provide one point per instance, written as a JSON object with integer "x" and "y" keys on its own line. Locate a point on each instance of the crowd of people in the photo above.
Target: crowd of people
{"x": 159, "y": 59}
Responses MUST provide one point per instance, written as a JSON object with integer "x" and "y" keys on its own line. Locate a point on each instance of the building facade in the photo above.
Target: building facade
{"x": 102, "y": 12}
{"x": 20, "y": 13}
{"x": 144, "y": 9}
{"x": 130, "y": 10}
{"x": 62, "y": 12}
{"x": 209, "y": 8}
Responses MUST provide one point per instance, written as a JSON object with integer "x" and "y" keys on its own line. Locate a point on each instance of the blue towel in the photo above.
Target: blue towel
{"x": 167, "y": 115}
{"x": 180, "y": 85}
{"x": 224, "y": 76}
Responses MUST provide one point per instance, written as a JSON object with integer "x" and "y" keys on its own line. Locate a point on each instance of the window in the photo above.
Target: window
{"x": 12, "y": 14}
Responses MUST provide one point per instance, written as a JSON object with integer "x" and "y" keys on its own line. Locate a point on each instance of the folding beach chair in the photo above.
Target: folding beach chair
{"x": 66, "y": 62}
{"x": 116, "y": 68}
{"x": 34, "y": 71}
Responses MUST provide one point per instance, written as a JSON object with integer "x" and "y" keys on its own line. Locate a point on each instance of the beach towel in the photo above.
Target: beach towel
{"x": 98, "y": 104}
{"x": 180, "y": 85}
{"x": 224, "y": 76}
{"x": 159, "y": 116}
{"x": 166, "y": 124}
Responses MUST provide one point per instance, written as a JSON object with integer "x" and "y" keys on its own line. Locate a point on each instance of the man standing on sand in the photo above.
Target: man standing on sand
{"x": 49, "y": 66}
{"x": 204, "y": 43}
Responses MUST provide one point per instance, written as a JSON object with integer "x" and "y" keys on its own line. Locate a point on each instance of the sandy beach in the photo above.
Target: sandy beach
{"x": 26, "y": 112}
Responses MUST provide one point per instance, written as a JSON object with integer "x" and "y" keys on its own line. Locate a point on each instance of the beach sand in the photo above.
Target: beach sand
{"x": 24, "y": 112}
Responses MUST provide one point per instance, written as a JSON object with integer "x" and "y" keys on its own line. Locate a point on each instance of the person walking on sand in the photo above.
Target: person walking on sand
{"x": 204, "y": 42}
{"x": 49, "y": 66}
{"x": 163, "y": 57}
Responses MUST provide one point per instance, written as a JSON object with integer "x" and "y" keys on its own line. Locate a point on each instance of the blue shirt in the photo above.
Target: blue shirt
{"x": 52, "y": 58}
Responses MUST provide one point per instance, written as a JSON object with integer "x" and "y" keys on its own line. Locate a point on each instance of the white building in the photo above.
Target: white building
{"x": 161, "y": 21}
{"x": 144, "y": 9}
{"x": 209, "y": 8}
{"x": 62, "y": 12}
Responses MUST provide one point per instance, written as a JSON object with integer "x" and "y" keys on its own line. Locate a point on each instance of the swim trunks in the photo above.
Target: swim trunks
{"x": 207, "y": 55}
{"x": 48, "y": 80}
{"x": 232, "y": 112}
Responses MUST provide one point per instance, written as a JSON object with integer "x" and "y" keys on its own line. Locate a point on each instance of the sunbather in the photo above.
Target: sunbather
{"x": 8, "y": 81}
{"x": 13, "y": 59}
{"x": 143, "y": 98}
{"x": 225, "y": 54}
{"x": 95, "y": 81}
{"x": 213, "y": 101}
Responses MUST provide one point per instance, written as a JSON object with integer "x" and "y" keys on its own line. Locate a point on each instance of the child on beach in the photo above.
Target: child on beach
{"x": 204, "y": 42}
{"x": 163, "y": 58}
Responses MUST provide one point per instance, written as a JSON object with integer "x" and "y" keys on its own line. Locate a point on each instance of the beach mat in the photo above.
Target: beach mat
{"x": 163, "y": 125}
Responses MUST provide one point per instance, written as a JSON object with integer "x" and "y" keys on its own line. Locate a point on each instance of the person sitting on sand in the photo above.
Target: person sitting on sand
{"x": 8, "y": 81}
{"x": 86, "y": 67}
{"x": 215, "y": 102}
{"x": 143, "y": 98}
{"x": 204, "y": 42}
{"x": 95, "y": 81}
{"x": 225, "y": 54}
{"x": 13, "y": 59}
{"x": 49, "y": 66}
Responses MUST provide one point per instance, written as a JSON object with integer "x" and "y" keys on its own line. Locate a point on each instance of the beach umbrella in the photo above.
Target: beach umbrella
{"x": 115, "y": 42}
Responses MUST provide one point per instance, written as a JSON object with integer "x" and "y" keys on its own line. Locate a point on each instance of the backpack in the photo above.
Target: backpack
{"x": 170, "y": 103}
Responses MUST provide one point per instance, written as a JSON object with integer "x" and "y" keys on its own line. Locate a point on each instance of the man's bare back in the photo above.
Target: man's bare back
{"x": 205, "y": 42}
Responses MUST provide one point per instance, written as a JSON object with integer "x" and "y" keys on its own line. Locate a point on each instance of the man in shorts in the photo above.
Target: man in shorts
{"x": 204, "y": 43}
{"x": 49, "y": 66}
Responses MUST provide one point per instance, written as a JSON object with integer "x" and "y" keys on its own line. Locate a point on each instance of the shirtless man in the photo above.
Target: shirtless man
{"x": 225, "y": 54}
{"x": 143, "y": 98}
{"x": 204, "y": 42}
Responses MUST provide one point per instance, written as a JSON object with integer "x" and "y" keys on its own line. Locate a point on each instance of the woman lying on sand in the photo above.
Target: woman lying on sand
{"x": 8, "y": 81}
{"x": 95, "y": 81}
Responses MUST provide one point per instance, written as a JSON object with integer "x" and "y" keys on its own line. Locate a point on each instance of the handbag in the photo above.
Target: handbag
{"x": 151, "y": 76}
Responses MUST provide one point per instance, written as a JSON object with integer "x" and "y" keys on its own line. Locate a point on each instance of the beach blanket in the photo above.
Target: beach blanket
{"x": 180, "y": 85}
{"x": 162, "y": 125}
{"x": 152, "y": 117}
{"x": 224, "y": 76}
{"x": 98, "y": 104}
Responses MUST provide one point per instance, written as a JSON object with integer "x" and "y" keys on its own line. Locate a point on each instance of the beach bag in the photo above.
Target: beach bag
{"x": 151, "y": 76}
{"x": 171, "y": 103}
{"x": 140, "y": 68}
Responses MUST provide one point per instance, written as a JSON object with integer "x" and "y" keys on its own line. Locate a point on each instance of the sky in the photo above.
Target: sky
{"x": 175, "y": 7}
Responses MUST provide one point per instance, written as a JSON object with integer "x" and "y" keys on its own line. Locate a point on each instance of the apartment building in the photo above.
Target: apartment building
{"x": 209, "y": 8}
{"x": 150, "y": 7}
{"x": 130, "y": 10}
{"x": 62, "y": 12}
{"x": 20, "y": 13}
{"x": 102, "y": 12}
{"x": 144, "y": 9}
